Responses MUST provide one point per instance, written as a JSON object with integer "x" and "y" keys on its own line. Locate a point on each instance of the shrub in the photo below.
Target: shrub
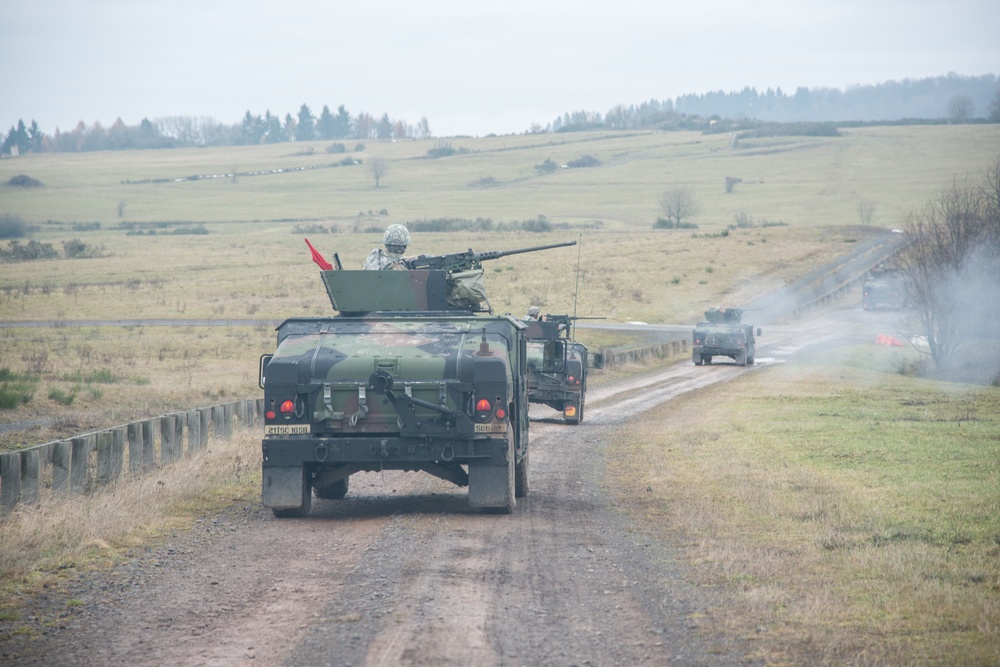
{"x": 61, "y": 397}
{"x": 585, "y": 161}
{"x": 15, "y": 389}
{"x": 22, "y": 181}
{"x": 546, "y": 167}
{"x": 664, "y": 223}
{"x": 336, "y": 148}
{"x": 32, "y": 250}
{"x": 12, "y": 226}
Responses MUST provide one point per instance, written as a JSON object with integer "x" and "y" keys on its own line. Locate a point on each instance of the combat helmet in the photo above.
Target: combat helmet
{"x": 396, "y": 238}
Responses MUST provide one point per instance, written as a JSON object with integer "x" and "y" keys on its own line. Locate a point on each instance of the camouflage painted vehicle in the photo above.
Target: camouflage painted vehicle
{"x": 884, "y": 288}
{"x": 413, "y": 373}
{"x": 723, "y": 334}
{"x": 558, "y": 366}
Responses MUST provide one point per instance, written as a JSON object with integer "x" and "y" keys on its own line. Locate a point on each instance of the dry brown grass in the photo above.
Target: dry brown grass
{"x": 851, "y": 518}
{"x": 95, "y": 529}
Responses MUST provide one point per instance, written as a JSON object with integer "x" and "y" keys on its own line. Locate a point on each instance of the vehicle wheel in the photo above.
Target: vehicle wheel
{"x": 521, "y": 477}
{"x": 334, "y": 491}
{"x": 697, "y": 359}
{"x": 706, "y": 359}
{"x": 741, "y": 359}
{"x": 750, "y": 361}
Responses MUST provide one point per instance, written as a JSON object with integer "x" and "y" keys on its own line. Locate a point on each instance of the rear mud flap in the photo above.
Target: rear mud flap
{"x": 492, "y": 485}
{"x": 284, "y": 488}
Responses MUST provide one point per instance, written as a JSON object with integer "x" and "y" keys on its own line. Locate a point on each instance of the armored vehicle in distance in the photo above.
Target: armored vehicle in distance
{"x": 414, "y": 373}
{"x": 884, "y": 288}
{"x": 558, "y": 366}
{"x": 723, "y": 334}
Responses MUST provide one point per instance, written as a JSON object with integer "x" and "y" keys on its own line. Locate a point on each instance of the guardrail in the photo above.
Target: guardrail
{"x": 677, "y": 344}
{"x": 82, "y": 463}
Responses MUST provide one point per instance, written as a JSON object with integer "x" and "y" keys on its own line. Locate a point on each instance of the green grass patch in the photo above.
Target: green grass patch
{"x": 846, "y": 511}
{"x": 62, "y": 397}
{"x": 16, "y": 389}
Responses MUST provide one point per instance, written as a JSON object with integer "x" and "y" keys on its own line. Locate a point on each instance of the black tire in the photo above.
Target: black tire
{"x": 334, "y": 491}
{"x": 521, "y": 477}
{"x": 706, "y": 359}
{"x": 697, "y": 359}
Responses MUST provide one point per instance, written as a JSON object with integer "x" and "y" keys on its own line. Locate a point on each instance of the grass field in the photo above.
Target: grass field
{"x": 853, "y": 513}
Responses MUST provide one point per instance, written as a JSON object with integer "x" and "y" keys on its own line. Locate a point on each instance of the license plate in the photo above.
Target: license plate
{"x": 500, "y": 427}
{"x": 286, "y": 430}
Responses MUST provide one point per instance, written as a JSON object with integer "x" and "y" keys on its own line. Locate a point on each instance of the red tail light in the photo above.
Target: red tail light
{"x": 269, "y": 414}
{"x": 287, "y": 407}
{"x": 483, "y": 405}
{"x": 501, "y": 413}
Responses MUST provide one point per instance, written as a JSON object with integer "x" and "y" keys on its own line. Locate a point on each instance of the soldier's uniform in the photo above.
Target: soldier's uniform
{"x": 395, "y": 240}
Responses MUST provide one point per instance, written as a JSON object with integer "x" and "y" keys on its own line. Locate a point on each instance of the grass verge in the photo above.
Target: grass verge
{"x": 78, "y": 533}
{"x": 851, "y": 516}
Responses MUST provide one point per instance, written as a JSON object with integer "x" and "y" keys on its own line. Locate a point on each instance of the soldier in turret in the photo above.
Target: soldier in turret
{"x": 534, "y": 314}
{"x": 395, "y": 240}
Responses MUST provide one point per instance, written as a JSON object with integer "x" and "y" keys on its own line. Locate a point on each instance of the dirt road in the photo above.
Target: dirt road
{"x": 402, "y": 572}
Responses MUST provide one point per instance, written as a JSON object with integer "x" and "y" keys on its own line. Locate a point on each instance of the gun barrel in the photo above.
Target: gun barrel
{"x": 495, "y": 254}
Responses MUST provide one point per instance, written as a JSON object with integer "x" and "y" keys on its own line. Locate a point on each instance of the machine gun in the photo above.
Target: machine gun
{"x": 565, "y": 322}
{"x": 469, "y": 260}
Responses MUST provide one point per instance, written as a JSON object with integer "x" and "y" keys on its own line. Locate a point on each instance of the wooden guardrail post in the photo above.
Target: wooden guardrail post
{"x": 148, "y": 445}
{"x": 79, "y": 473}
{"x": 135, "y": 447}
{"x": 167, "y": 439}
{"x": 178, "y": 435}
{"x": 30, "y": 474}
{"x": 117, "y": 451}
{"x": 227, "y": 416}
{"x": 204, "y": 417}
{"x": 62, "y": 465}
{"x": 10, "y": 481}
{"x": 241, "y": 414}
{"x": 193, "y": 431}
{"x": 105, "y": 454}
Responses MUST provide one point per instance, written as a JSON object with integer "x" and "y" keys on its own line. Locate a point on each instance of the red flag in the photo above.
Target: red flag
{"x": 883, "y": 339}
{"x": 318, "y": 258}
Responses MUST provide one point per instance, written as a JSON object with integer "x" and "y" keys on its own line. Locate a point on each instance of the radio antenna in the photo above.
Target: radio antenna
{"x": 576, "y": 289}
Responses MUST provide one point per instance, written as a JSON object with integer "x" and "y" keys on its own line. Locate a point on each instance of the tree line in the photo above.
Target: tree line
{"x": 954, "y": 98}
{"x": 180, "y": 131}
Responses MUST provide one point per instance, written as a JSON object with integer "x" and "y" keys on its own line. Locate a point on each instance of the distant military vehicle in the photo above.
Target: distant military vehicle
{"x": 884, "y": 288}
{"x": 414, "y": 374}
{"x": 723, "y": 334}
{"x": 558, "y": 366}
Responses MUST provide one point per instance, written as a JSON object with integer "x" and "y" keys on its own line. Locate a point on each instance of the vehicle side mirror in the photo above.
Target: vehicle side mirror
{"x": 596, "y": 360}
{"x": 265, "y": 359}
{"x": 758, "y": 331}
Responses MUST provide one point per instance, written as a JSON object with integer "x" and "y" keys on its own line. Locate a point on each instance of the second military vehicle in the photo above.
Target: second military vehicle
{"x": 558, "y": 366}
{"x": 884, "y": 288}
{"x": 723, "y": 334}
{"x": 414, "y": 373}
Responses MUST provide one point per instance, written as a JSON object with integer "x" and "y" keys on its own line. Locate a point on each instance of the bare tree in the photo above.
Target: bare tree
{"x": 866, "y": 210}
{"x": 953, "y": 265}
{"x": 961, "y": 108}
{"x": 677, "y": 204}
{"x": 378, "y": 167}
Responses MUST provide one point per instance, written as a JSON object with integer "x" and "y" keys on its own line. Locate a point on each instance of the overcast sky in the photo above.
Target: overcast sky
{"x": 469, "y": 67}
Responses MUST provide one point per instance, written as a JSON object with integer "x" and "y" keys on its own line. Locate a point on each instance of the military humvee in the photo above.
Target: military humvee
{"x": 414, "y": 373}
{"x": 724, "y": 335}
{"x": 558, "y": 366}
{"x": 884, "y": 288}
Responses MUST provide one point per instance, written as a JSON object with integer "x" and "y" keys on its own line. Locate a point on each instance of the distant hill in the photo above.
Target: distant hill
{"x": 951, "y": 97}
